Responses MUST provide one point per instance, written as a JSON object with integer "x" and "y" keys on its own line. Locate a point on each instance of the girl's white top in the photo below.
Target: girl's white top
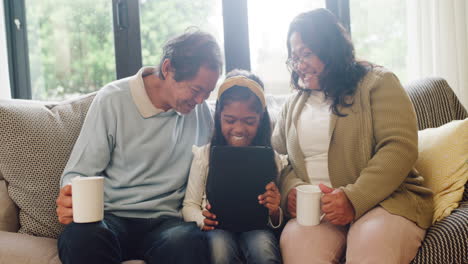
{"x": 195, "y": 195}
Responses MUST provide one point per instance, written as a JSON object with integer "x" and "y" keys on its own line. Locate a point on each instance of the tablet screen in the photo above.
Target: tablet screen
{"x": 237, "y": 175}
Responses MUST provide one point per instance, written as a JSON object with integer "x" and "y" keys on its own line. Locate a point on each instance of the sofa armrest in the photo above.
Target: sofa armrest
{"x": 8, "y": 211}
{"x": 435, "y": 102}
{"x": 445, "y": 241}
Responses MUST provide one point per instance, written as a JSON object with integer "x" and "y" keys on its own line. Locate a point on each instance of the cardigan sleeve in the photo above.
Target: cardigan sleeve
{"x": 288, "y": 178}
{"x": 278, "y": 138}
{"x": 193, "y": 203}
{"x": 281, "y": 162}
{"x": 396, "y": 140}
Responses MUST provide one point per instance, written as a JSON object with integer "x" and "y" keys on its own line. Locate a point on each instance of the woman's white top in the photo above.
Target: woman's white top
{"x": 312, "y": 130}
{"x": 195, "y": 195}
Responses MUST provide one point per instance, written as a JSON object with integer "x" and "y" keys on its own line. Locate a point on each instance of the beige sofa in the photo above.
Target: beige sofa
{"x": 36, "y": 139}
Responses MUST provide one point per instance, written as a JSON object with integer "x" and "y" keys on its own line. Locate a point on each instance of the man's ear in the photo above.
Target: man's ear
{"x": 166, "y": 67}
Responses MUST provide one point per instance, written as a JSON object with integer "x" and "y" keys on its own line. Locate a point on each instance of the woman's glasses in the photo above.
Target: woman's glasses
{"x": 294, "y": 63}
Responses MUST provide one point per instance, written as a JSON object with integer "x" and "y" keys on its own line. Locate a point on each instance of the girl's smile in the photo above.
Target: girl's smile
{"x": 239, "y": 123}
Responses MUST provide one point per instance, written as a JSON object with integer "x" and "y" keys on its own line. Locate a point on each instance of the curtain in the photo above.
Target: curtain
{"x": 438, "y": 42}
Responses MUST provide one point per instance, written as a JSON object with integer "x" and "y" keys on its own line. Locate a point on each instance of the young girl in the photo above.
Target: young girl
{"x": 241, "y": 119}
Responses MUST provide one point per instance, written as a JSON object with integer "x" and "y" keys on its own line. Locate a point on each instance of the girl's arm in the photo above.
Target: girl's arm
{"x": 276, "y": 220}
{"x": 271, "y": 200}
{"x": 193, "y": 202}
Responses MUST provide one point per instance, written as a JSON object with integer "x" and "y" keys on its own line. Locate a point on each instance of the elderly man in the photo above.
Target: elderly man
{"x": 138, "y": 135}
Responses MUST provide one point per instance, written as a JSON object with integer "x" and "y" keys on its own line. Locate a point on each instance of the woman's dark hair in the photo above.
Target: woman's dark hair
{"x": 240, "y": 93}
{"x": 322, "y": 33}
{"x": 188, "y": 52}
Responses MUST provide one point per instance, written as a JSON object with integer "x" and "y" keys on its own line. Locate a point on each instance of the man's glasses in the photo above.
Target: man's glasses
{"x": 294, "y": 63}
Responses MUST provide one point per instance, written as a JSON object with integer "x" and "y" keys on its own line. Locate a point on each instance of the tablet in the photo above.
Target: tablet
{"x": 237, "y": 175}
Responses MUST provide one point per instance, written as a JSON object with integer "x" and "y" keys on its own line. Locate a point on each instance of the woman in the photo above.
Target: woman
{"x": 351, "y": 128}
{"x": 241, "y": 119}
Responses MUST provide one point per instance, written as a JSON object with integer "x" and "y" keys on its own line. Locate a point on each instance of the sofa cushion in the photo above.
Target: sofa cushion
{"x": 8, "y": 211}
{"x": 20, "y": 248}
{"x": 36, "y": 141}
{"x": 442, "y": 161}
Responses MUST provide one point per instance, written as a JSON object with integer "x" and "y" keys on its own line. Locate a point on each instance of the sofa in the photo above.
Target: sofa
{"x": 36, "y": 139}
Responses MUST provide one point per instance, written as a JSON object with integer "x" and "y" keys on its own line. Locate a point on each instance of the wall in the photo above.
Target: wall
{"x": 4, "y": 75}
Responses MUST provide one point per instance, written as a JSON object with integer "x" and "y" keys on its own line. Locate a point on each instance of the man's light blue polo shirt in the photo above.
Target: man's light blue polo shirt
{"x": 143, "y": 152}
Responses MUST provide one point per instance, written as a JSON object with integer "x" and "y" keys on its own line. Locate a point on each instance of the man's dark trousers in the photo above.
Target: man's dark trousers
{"x": 116, "y": 239}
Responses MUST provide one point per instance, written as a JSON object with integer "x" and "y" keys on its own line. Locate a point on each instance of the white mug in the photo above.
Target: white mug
{"x": 308, "y": 205}
{"x": 88, "y": 199}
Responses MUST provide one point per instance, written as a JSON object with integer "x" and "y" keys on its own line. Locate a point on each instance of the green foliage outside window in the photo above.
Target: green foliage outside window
{"x": 71, "y": 47}
{"x": 163, "y": 19}
{"x": 379, "y": 33}
{"x": 71, "y": 44}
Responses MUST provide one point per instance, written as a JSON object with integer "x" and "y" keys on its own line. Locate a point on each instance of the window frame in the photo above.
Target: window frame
{"x": 17, "y": 46}
{"x": 127, "y": 39}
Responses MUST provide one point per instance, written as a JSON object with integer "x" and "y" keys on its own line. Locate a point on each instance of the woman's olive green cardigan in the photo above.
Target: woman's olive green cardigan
{"x": 372, "y": 149}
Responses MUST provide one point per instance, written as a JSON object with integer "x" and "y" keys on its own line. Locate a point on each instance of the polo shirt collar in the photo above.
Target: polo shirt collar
{"x": 141, "y": 98}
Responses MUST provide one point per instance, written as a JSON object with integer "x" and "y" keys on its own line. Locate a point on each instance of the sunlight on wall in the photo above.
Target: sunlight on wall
{"x": 268, "y": 27}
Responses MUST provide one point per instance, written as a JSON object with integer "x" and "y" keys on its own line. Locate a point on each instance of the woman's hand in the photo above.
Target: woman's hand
{"x": 292, "y": 202}
{"x": 209, "y": 222}
{"x": 271, "y": 198}
{"x": 336, "y": 206}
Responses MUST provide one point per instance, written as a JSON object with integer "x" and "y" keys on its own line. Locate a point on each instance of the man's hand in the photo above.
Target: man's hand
{"x": 292, "y": 202}
{"x": 64, "y": 205}
{"x": 271, "y": 198}
{"x": 336, "y": 206}
{"x": 209, "y": 222}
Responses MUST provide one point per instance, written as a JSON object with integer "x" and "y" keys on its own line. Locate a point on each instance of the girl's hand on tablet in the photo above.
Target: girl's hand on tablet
{"x": 271, "y": 198}
{"x": 209, "y": 223}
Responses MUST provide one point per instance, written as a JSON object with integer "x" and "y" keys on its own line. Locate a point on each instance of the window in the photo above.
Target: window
{"x": 268, "y": 28}
{"x": 4, "y": 78}
{"x": 378, "y": 30}
{"x": 163, "y": 19}
{"x": 71, "y": 47}
{"x": 59, "y": 50}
